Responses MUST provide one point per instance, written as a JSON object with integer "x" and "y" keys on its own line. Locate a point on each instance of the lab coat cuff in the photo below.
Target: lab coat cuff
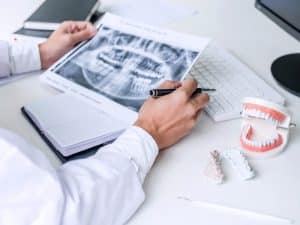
{"x": 4, "y": 59}
{"x": 138, "y": 146}
{"x": 24, "y": 57}
{"x": 151, "y": 146}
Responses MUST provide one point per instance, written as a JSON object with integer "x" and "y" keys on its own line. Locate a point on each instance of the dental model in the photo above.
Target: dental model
{"x": 213, "y": 169}
{"x": 239, "y": 163}
{"x": 236, "y": 159}
{"x": 265, "y": 128}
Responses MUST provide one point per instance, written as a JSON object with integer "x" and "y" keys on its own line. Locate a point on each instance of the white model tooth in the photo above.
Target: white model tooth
{"x": 250, "y": 112}
{"x": 259, "y": 114}
{"x": 266, "y": 143}
{"x": 243, "y": 112}
{"x": 270, "y": 116}
{"x": 274, "y": 138}
{"x": 270, "y": 119}
{"x": 256, "y": 144}
{"x": 265, "y": 116}
{"x": 271, "y": 141}
{"x": 244, "y": 135}
{"x": 255, "y": 112}
{"x": 249, "y": 142}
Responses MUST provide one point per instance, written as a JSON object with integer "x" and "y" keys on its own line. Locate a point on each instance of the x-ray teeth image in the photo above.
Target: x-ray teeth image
{"x": 124, "y": 67}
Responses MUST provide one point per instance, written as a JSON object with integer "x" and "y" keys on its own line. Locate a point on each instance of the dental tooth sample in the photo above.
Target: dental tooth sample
{"x": 213, "y": 169}
{"x": 239, "y": 163}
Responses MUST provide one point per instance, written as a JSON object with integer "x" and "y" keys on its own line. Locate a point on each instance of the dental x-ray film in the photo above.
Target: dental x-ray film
{"x": 125, "y": 60}
{"x": 124, "y": 67}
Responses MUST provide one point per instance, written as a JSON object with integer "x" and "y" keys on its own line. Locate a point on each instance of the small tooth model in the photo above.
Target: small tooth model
{"x": 213, "y": 169}
{"x": 265, "y": 128}
{"x": 239, "y": 163}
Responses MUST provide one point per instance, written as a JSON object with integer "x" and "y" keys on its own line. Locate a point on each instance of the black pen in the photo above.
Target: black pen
{"x": 161, "y": 92}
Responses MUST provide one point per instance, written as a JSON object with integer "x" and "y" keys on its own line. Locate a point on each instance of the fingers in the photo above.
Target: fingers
{"x": 80, "y": 25}
{"x": 170, "y": 84}
{"x": 188, "y": 87}
{"x": 199, "y": 101}
{"x": 78, "y": 31}
{"x": 84, "y": 31}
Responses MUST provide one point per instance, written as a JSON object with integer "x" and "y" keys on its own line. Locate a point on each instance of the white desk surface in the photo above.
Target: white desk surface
{"x": 238, "y": 26}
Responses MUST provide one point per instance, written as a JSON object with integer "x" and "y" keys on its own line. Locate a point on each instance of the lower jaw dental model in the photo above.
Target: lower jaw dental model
{"x": 265, "y": 128}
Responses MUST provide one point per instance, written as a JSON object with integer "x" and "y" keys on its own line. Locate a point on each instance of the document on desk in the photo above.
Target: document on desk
{"x": 166, "y": 11}
{"x": 115, "y": 70}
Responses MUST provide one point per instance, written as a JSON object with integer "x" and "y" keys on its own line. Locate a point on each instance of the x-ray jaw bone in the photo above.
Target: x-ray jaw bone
{"x": 265, "y": 128}
{"x": 122, "y": 72}
{"x": 124, "y": 67}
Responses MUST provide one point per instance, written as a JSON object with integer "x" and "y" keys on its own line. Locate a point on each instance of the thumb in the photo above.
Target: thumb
{"x": 83, "y": 34}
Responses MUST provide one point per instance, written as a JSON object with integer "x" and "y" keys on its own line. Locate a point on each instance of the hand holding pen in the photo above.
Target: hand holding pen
{"x": 155, "y": 93}
{"x": 170, "y": 118}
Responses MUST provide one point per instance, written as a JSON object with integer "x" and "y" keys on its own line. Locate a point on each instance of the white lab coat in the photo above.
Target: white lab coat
{"x": 103, "y": 189}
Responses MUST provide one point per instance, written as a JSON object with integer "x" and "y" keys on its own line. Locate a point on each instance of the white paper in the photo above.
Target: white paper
{"x": 147, "y": 11}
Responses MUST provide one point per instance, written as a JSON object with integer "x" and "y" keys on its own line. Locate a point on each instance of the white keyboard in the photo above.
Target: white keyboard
{"x": 233, "y": 80}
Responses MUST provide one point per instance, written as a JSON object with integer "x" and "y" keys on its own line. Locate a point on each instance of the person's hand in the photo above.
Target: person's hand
{"x": 169, "y": 118}
{"x": 62, "y": 40}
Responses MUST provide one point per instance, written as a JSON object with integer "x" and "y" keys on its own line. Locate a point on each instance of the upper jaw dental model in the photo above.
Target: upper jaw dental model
{"x": 265, "y": 128}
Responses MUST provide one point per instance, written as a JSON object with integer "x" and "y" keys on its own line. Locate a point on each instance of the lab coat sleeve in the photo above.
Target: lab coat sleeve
{"x": 104, "y": 189}
{"x": 18, "y": 57}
